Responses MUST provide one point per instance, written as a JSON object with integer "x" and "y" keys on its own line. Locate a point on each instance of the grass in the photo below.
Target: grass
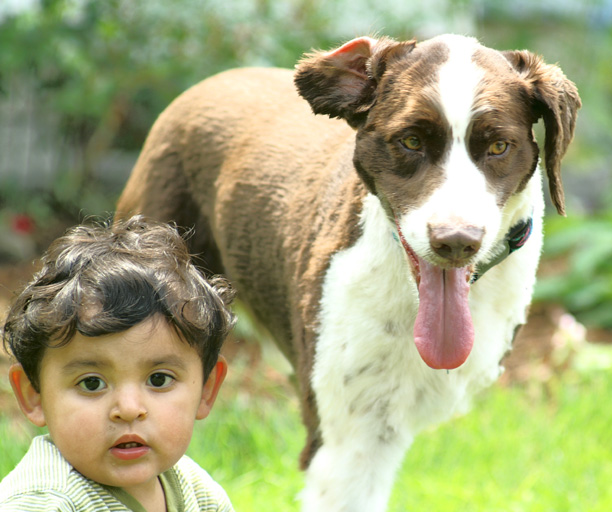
{"x": 517, "y": 452}
{"x": 543, "y": 447}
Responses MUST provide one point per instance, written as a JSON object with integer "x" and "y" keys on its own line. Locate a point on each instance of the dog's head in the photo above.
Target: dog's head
{"x": 445, "y": 140}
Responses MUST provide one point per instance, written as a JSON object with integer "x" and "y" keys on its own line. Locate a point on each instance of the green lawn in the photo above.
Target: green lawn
{"x": 536, "y": 448}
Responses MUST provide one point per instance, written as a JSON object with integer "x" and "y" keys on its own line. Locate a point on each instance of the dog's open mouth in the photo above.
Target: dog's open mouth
{"x": 443, "y": 330}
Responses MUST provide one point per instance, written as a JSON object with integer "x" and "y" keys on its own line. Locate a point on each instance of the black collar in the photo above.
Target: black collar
{"x": 513, "y": 241}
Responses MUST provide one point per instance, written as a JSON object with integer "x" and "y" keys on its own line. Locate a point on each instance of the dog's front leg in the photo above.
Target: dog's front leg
{"x": 360, "y": 377}
{"x": 355, "y": 471}
{"x": 365, "y": 428}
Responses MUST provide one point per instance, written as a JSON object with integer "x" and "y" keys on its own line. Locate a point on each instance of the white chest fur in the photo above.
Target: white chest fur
{"x": 374, "y": 392}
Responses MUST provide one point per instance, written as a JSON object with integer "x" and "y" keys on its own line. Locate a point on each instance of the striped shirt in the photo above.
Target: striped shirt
{"x": 44, "y": 481}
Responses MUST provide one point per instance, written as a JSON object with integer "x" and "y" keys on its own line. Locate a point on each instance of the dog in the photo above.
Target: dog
{"x": 389, "y": 244}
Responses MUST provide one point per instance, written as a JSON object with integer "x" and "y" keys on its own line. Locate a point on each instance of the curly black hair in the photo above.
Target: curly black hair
{"x": 105, "y": 278}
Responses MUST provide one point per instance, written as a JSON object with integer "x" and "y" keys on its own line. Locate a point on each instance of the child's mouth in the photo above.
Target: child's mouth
{"x": 125, "y": 446}
{"x": 130, "y": 449}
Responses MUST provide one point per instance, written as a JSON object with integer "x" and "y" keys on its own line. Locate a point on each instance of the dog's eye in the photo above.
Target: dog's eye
{"x": 413, "y": 143}
{"x": 498, "y": 148}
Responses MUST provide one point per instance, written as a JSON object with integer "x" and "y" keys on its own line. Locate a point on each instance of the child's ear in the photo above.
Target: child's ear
{"x": 211, "y": 388}
{"x": 27, "y": 397}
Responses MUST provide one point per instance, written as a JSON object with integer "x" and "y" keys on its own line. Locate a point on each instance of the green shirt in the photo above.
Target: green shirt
{"x": 44, "y": 481}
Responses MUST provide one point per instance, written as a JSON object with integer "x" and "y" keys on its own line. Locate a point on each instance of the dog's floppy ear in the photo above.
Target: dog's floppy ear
{"x": 555, "y": 99}
{"x": 342, "y": 82}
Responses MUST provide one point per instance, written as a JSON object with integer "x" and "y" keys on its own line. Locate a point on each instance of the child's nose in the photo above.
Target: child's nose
{"x": 129, "y": 405}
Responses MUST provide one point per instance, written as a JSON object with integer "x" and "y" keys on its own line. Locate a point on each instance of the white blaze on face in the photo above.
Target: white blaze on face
{"x": 444, "y": 330}
{"x": 458, "y": 80}
{"x": 463, "y": 197}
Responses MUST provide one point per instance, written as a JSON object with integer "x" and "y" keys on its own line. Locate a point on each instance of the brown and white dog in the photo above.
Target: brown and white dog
{"x": 357, "y": 241}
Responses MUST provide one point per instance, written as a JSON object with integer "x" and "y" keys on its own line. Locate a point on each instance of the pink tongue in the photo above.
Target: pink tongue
{"x": 443, "y": 331}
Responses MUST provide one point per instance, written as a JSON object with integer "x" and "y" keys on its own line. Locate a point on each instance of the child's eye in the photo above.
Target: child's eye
{"x": 160, "y": 380}
{"x": 92, "y": 384}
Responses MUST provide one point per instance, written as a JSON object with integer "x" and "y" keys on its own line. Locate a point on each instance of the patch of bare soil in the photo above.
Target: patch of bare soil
{"x": 547, "y": 344}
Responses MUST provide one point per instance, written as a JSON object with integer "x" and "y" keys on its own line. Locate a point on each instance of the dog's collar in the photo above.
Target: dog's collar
{"x": 513, "y": 241}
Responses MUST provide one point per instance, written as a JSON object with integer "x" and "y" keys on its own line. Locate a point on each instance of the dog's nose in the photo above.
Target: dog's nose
{"x": 455, "y": 243}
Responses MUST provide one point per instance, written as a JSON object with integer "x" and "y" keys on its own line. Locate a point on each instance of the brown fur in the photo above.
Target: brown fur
{"x": 555, "y": 99}
{"x": 203, "y": 161}
{"x": 272, "y": 190}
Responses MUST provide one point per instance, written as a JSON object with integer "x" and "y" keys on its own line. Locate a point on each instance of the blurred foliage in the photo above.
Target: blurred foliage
{"x": 110, "y": 67}
{"x": 106, "y": 69}
{"x": 582, "y": 247}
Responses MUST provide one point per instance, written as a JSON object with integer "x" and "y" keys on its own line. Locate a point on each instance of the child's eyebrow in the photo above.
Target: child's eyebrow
{"x": 86, "y": 364}
{"x": 169, "y": 360}
{"x": 81, "y": 364}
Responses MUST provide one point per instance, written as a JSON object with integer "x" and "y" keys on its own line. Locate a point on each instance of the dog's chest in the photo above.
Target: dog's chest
{"x": 366, "y": 363}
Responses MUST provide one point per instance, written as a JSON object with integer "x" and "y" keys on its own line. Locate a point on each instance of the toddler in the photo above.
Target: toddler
{"x": 116, "y": 341}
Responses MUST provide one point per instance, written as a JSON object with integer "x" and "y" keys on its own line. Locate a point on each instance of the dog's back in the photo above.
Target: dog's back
{"x": 246, "y": 137}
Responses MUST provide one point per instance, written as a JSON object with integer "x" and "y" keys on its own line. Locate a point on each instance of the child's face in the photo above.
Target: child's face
{"x": 121, "y": 407}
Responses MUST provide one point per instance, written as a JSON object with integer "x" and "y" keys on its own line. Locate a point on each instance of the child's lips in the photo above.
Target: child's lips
{"x": 130, "y": 447}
